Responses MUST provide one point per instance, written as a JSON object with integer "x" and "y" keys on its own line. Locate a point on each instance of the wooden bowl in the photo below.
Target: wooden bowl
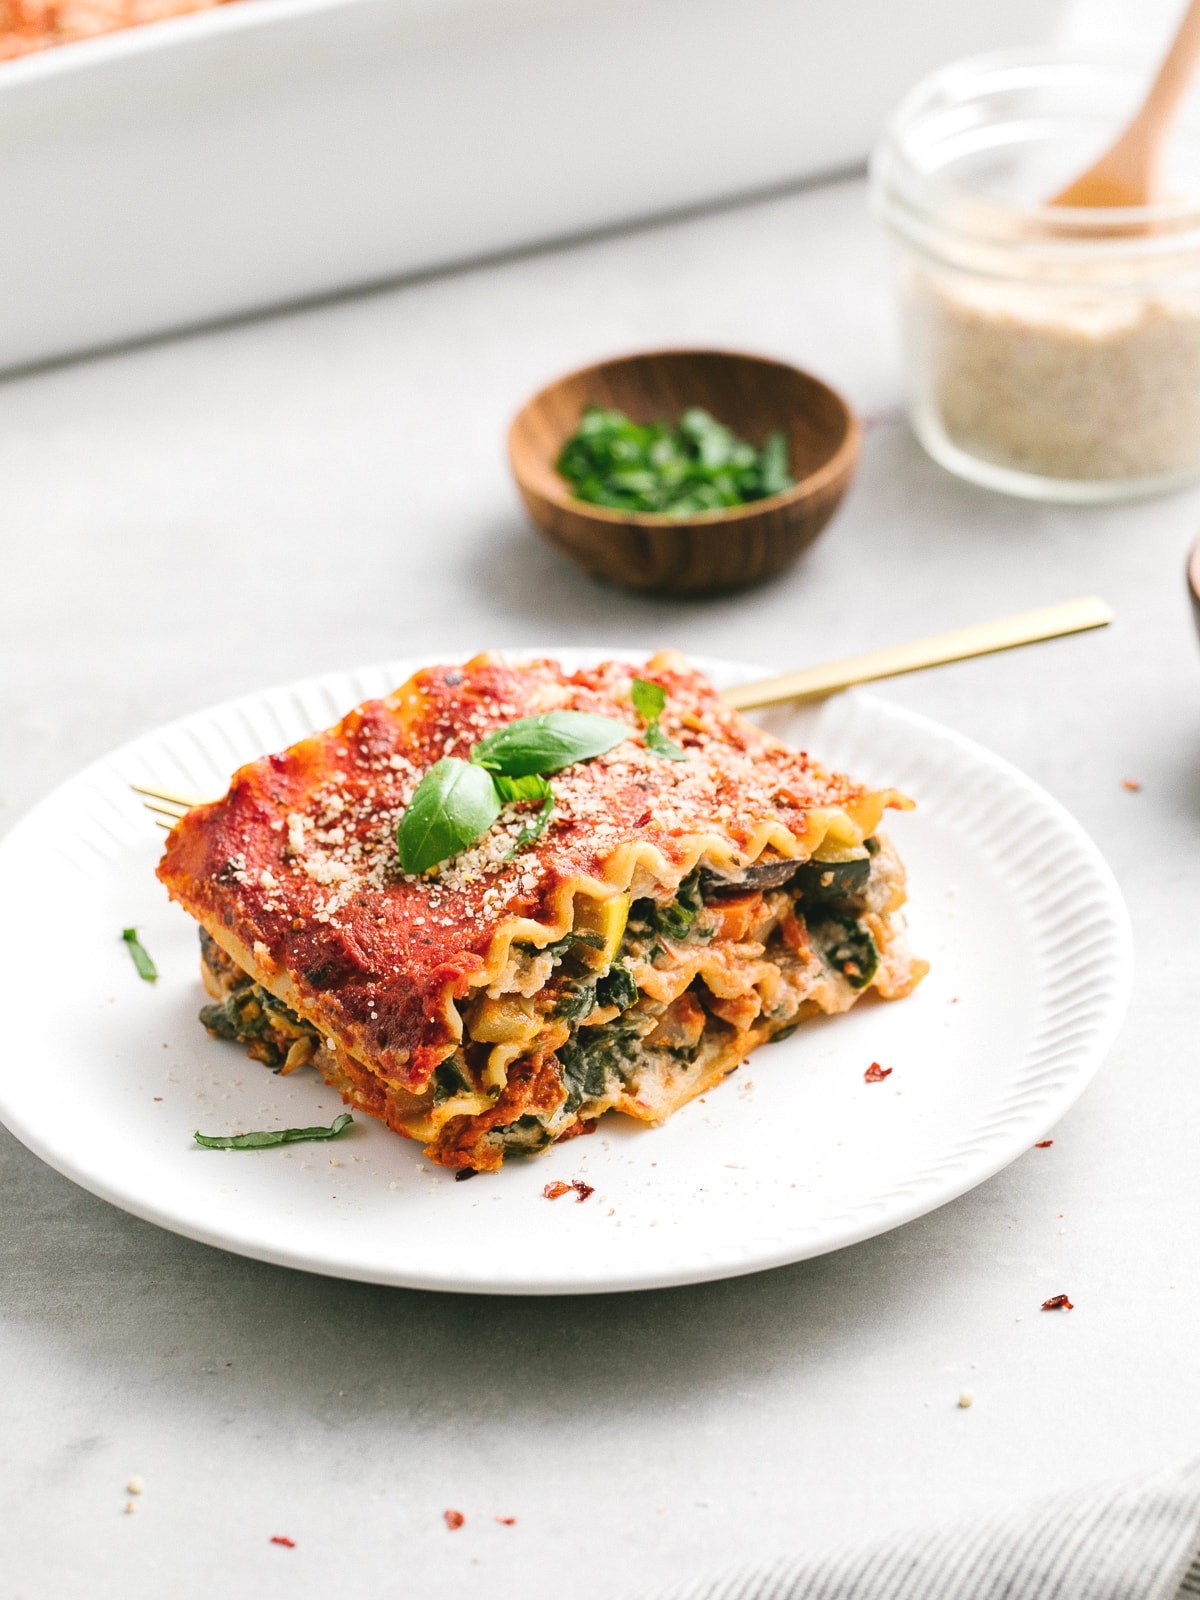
{"x": 716, "y": 550}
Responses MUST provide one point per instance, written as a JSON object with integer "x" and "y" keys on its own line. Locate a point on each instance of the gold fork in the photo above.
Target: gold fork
{"x": 815, "y": 683}
{"x": 167, "y": 803}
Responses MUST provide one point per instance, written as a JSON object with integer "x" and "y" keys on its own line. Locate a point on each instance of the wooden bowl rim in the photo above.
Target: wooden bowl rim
{"x": 839, "y": 463}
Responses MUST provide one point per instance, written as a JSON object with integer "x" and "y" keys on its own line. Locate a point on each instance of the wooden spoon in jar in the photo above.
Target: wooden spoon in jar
{"x": 1128, "y": 173}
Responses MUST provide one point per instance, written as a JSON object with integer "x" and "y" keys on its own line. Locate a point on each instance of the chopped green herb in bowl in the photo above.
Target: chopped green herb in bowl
{"x": 684, "y": 471}
{"x": 700, "y": 501}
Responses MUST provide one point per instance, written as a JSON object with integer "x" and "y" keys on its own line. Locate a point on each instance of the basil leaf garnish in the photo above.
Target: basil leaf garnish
{"x": 548, "y": 743}
{"x": 657, "y": 741}
{"x": 455, "y": 804}
{"x": 533, "y": 831}
{"x": 270, "y": 1136}
{"x": 649, "y": 701}
{"x": 531, "y": 787}
{"x": 141, "y": 959}
{"x": 528, "y": 788}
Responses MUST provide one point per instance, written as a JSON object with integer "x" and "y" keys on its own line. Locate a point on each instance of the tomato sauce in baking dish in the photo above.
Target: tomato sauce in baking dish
{"x": 30, "y": 25}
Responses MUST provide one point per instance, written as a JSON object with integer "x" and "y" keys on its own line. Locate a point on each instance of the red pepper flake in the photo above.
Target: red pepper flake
{"x": 1043, "y": 1144}
{"x": 1057, "y": 1302}
{"x": 282, "y": 1538}
{"x": 1131, "y": 784}
{"x": 876, "y": 1074}
{"x": 454, "y": 1519}
{"x": 507, "y": 1522}
{"x": 556, "y": 1190}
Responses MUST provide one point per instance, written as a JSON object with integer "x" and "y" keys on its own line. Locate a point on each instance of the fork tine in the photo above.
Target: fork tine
{"x": 173, "y": 811}
{"x": 172, "y": 796}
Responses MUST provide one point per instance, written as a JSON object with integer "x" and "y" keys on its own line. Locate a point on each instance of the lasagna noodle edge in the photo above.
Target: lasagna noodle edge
{"x": 419, "y": 1117}
{"x": 635, "y": 868}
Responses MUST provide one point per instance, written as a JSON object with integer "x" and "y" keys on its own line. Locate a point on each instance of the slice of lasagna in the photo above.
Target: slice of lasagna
{"x": 673, "y": 914}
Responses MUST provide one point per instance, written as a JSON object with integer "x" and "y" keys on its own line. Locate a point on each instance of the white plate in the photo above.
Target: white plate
{"x": 106, "y": 1077}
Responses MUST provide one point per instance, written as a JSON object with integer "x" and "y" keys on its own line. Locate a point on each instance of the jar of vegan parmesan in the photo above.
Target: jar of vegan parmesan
{"x": 1052, "y": 352}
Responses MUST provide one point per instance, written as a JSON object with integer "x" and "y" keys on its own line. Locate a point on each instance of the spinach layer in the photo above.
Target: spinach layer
{"x": 251, "y": 1015}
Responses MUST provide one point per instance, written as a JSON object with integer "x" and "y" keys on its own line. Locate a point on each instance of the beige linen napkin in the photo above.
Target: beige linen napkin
{"x": 1134, "y": 1541}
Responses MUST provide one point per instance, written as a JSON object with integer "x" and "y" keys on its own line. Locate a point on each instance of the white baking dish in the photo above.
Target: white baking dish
{"x": 272, "y": 150}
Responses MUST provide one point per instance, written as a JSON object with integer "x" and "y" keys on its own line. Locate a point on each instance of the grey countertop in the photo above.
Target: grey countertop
{"x": 199, "y": 518}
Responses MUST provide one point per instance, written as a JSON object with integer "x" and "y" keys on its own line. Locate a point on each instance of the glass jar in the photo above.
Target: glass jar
{"x": 1052, "y": 352}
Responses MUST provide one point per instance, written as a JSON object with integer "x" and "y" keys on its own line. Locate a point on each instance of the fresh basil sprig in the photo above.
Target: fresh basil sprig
{"x": 649, "y": 699}
{"x": 270, "y": 1136}
{"x": 548, "y": 743}
{"x": 533, "y": 831}
{"x": 531, "y": 787}
{"x": 141, "y": 956}
{"x": 456, "y": 802}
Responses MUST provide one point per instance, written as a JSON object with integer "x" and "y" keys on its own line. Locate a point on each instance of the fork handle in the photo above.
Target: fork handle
{"x": 980, "y": 639}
